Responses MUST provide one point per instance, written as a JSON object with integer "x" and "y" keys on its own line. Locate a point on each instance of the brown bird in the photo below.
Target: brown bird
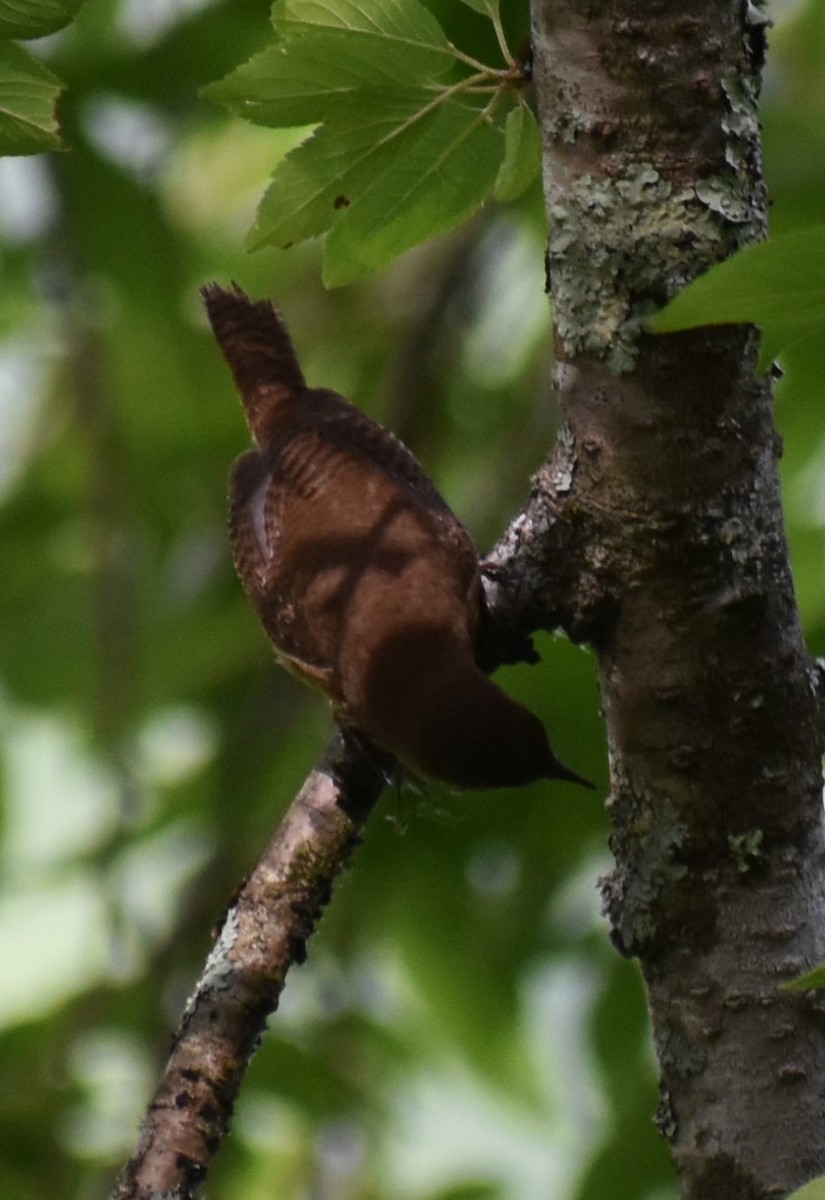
{"x": 367, "y": 584}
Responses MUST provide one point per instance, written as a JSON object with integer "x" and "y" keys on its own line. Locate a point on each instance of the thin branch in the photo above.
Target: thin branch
{"x": 264, "y": 932}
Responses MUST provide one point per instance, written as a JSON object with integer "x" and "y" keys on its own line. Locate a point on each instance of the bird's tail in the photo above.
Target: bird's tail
{"x": 260, "y": 354}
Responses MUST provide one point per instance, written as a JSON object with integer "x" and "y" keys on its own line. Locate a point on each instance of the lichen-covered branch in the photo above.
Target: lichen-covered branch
{"x": 652, "y": 172}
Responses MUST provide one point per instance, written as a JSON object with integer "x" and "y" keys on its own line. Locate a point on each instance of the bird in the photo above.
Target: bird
{"x": 366, "y": 583}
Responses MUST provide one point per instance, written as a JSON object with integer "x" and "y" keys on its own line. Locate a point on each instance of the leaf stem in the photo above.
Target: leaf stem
{"x": 495, "y": 17}
{"x": 474, "y": 89}
{"x": 444, "y": 94}
{"x": 470, "y": 61}
{"x": 492, "y": 104}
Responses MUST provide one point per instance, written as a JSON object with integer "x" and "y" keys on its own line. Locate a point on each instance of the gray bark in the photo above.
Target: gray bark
{"x": 676, "y": 569}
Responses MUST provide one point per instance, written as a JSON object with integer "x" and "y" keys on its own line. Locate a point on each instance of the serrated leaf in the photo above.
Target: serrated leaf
{"x": 331, "y": 169}
{"x": 815, "y": 1190}
{"x": 522, "y": 154}
{"x": 298, "y": 82}
{"x": 28, "y": 101}
{"x": 401, "y": 37}
{"x": 35, "y": 18}
{"x": 778, "y": 285}
{"x": 437, "y": 182}
{"x": 811, "y": 979}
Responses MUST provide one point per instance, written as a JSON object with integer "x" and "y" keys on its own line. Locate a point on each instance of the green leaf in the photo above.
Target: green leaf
{"x": 811, "y": 979}
{"x": 28, "y": 101}
{"x": 437, "y": 182}
{"x": 396, "y": 159}
{"x": 778, "y": 285}
{"x": 35, "y": 18}
{"x": 815, "y": 1190}
{"x": 298, "y": 82}
{"x": 401, "y": 37}
{"x": 522, "y": 154}
{"x": 368, "y": 134}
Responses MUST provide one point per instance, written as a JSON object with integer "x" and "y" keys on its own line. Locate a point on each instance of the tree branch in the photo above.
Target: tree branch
{"x": 263, "y": 934}
{"x": 652, "y": 173}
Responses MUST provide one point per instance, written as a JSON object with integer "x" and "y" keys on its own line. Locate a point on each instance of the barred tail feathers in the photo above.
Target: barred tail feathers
{"x": 260, "y": 354}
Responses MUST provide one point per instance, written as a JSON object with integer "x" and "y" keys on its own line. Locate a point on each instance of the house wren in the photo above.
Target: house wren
{"x": 367, "y": 584}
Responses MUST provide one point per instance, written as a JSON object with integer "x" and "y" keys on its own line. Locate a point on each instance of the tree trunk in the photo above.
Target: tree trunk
{"x": 680, "y": 577}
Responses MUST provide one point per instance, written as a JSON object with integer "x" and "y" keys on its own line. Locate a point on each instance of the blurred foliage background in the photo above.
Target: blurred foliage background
{"x": 463, "y": 1028}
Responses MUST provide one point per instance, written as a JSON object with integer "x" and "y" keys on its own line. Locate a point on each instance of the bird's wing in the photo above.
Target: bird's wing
{"x": 332, "y": 433}
{"x": 335, "y": 498}
{"x": 256, "y": 501}
{"x": 352, "y": 431}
